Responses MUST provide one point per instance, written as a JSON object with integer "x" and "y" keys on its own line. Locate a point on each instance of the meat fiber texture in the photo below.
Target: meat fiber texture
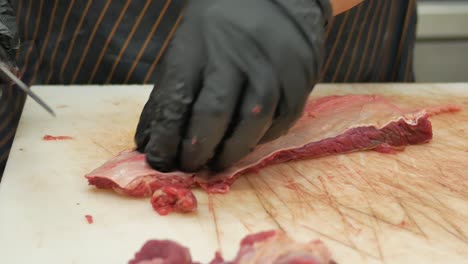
{"x": 329, "y": 125}
{"x": 264, "y": 247}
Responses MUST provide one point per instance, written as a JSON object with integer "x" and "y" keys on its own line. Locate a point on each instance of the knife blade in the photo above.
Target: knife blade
{"x": 25, "y": 88}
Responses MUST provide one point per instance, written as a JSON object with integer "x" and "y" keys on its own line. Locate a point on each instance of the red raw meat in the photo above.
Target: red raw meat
{"x": 329, "y": 125}
{"x": 49, "y": 137}
{"x": 89, "y": 219}
{"x": 173, "y": 198}
{"x": 162, "y": 252}
{"x": 259, "y": 248}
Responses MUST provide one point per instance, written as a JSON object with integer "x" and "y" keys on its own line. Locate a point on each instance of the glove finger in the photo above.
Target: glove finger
{"x": 165, "y": 128}
{"x": 163, "y": 118}
{"x": 211, "y": 116}
{"x": 296, "y": 85}
{"x": 297, "y": 71}
{"x": 255, "y": 117}
{"x": 288, "y": 112}
{"x": 142, "y": 133}
{"x": 256, "y": 110}
{"x": 177, "y": 59}
{"x": 213, "y": 111}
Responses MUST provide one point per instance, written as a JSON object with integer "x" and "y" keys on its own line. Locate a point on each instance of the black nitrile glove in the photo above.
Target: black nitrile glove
{"x": 237, "y": 73}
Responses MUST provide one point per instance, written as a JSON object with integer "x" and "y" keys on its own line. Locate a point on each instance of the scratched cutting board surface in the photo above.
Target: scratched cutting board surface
{"x": 368, "y": 207}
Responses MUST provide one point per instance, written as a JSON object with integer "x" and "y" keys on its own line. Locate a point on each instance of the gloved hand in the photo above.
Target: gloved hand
{"x": 236, "y": 74}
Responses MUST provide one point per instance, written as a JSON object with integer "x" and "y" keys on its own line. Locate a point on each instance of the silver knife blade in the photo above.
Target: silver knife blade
{"x": 25, "y": 88}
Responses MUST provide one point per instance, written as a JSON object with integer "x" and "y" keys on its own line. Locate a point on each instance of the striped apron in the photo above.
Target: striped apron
{"x": 121, "y": 41}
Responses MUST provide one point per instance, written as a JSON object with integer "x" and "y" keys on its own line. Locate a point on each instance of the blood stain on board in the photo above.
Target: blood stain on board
{"x": 50, "y": 138}
{"x": 89, "y": 219}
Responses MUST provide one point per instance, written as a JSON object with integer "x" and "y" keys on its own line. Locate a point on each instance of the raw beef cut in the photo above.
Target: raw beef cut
{"x": 329, "y": 125}
{"x": 259, "y": 248}
{"x": 162, "y": 252}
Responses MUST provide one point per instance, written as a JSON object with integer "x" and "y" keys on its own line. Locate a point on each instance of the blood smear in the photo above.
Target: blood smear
{"x": 49, "y": 137}
{"x": 89, "y": 218}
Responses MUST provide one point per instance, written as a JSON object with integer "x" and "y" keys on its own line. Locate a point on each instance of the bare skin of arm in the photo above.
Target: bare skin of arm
{"x": 339, "y": 6}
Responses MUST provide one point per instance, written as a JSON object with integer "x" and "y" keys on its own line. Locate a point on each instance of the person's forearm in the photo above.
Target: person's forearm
{"x": 339, "y": 6}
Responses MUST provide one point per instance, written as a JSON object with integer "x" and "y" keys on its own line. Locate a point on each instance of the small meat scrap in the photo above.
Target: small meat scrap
{"x": 259, "y": 248}
{"x": 89, "y": 219}
{"x": 50, "y": 138}
{"x": 173, "y": 198}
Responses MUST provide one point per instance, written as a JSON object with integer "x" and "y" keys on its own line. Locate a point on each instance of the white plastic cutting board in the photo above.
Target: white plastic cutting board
{"x": 368, "y": 207}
